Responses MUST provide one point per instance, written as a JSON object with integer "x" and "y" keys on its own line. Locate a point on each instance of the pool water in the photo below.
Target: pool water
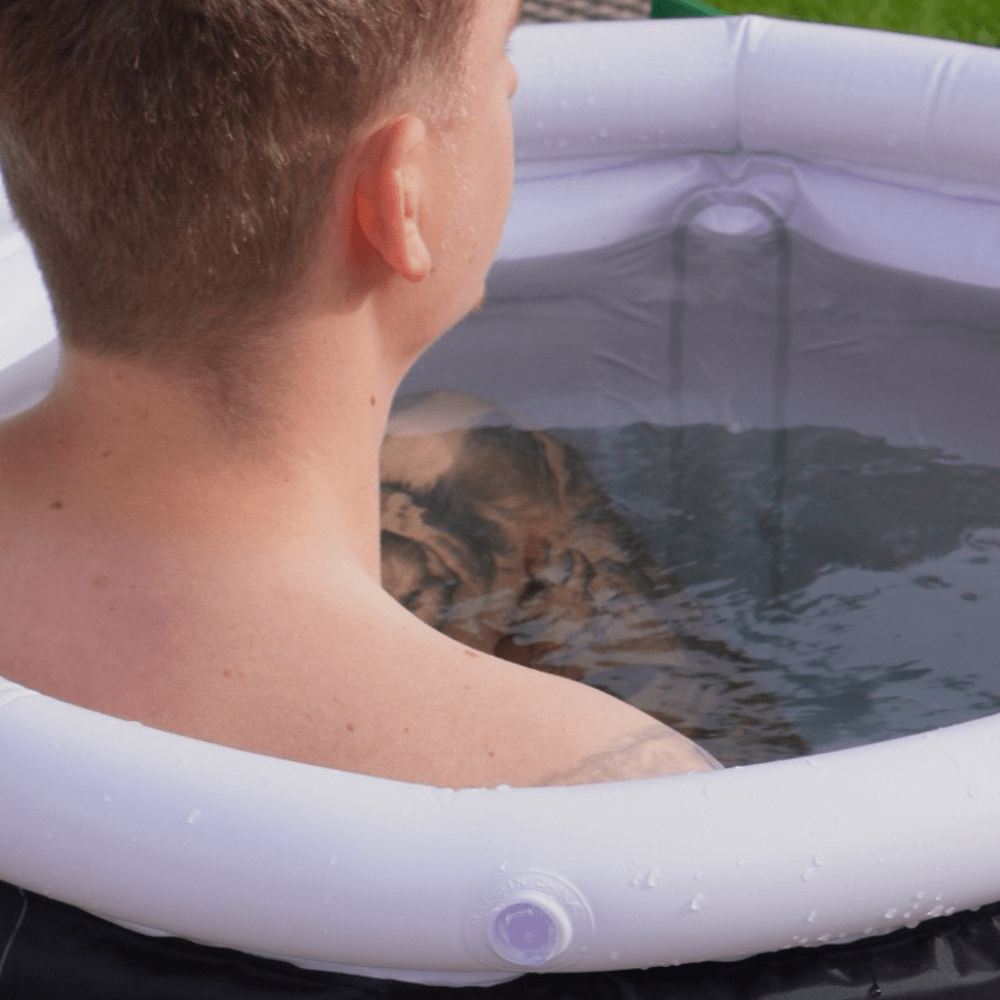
{"x": 862, "y": 579}
{"x": 766, "y": 592}
{"x": 796, "y": 464}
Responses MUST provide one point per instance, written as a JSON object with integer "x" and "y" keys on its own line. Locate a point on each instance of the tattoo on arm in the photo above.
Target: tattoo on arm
{"x": 651, "y": 752}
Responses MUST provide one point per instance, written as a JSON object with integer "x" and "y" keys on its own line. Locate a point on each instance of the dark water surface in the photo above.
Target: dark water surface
{"x": 859, "y": 578}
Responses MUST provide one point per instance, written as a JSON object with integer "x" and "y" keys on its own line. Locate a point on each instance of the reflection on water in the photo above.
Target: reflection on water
{"x": 859, "y": 577}
{"x": 503, "y": 539}
{"x": 764, "y": 600}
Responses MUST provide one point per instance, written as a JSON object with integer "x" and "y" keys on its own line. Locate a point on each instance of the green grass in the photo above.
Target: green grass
{"x": 976, "y": 21}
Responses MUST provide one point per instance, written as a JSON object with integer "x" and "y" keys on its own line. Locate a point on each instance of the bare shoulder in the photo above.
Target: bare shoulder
{"x": 348, "y": 680}
{"x": 513, "y": 725}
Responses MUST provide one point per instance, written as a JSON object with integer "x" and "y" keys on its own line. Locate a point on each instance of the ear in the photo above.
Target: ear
{"x": 389, "y": 196}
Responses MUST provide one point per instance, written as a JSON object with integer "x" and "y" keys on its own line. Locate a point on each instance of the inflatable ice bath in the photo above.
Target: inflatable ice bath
{"x": 635, "y": 140}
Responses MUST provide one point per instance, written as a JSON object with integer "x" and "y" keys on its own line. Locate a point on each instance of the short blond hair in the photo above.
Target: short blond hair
{"x": 170, "y": 160}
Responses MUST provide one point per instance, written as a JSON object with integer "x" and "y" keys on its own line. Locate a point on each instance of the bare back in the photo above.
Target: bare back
{"x": 317, "y": 665}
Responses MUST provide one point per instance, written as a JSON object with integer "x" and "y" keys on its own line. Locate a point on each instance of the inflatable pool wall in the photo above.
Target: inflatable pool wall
{"x": 869, "y": 144}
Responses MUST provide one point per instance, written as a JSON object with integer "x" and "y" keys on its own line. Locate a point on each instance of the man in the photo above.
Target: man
{"x": 252, "y": 217}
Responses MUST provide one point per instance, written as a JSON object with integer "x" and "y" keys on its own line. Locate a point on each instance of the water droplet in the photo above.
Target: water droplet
{"x": 811, "y": 919}
{"x": 912, "y": 924}
{"x": 819, "y": 860}
{"x": 697, "y": 902}
{"x": 936, "y": 912}
{"x": 824, "y": 937}
{"x": 808, "y": 874}
{"x": 194, "y": 817}
{"x": 648, "y": 881}
{"x": 975, "y": 791}
{"x": 919, "y": 895}
{"x": 949, "y": 911}
{"x": 889, "y": 914}
{"x": 613, "y": 955}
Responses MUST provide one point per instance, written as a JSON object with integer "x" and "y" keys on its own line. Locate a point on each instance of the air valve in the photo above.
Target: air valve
{"x": 530, "y": 920}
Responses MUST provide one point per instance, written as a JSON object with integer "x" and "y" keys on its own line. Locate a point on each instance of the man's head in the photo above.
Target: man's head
{"x": 172, "y": 160}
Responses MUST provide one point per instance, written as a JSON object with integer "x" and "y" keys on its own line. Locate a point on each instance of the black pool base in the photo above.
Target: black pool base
{"x": 50, "y": 951}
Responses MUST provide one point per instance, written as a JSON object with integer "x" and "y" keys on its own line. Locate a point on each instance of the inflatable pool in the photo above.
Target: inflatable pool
{"x": 635, "y": 139}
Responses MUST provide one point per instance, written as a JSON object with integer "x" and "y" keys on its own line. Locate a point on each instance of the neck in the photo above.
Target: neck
{"x": 142, "y": 451}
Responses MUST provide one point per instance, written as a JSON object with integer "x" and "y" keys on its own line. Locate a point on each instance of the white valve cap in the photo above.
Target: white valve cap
{"x": 531, "y": 930}
{"x": 529, "y": 920}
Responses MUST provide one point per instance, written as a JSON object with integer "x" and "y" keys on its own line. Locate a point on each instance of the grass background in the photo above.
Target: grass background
{"x": 975, "y": 21}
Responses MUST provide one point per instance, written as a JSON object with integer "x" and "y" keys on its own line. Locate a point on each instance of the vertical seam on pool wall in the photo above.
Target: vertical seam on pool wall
{"x": 13, "y": 934}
